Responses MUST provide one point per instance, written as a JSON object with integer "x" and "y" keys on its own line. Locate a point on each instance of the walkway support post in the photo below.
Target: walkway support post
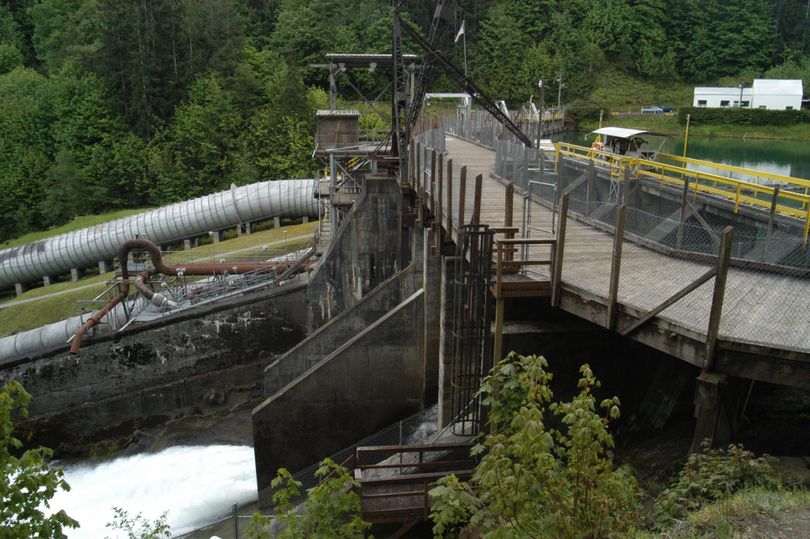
{"x": 476, "y": 216}
{"x": 723, "y": 259}
{"x": 684, "y": 203}
{"x": 450, "y": 198}
{"x": 440, "y": 192}
{"x": 616, "y": 267}
{"x": 771, "y": 215}
{"x": 625, "y": 185}
{"x": 432, "y": 181}
{"x": 508, "y": 218}
{"x": 497, "y": 342}
{"x": 411, "y": 164}
{"x": 559, "y": 249}
{"x": 462, "y": 195}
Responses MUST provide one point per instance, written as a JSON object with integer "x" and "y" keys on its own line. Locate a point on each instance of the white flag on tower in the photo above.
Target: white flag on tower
{"x": 460, "y": 32}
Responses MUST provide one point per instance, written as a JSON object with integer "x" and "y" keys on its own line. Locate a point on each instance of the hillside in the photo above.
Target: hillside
{"x": 109, "y": 105}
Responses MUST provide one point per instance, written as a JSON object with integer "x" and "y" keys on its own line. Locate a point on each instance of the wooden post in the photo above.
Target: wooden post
{"x": 508, "y": 219}
{"x": 432, "y": 181}
{"x": 440, "y": 169}
{"x": 771, "y": 215}
{"x": 419, "y": 168}
{"x": 509, "y": 202}
{"x": 588, "y": 187}
{"x": 497, "y": 343}
{"x": 559, "y": 249}
{"x": 616, "y": 267}
{"x": 449, "y": 196}
{"x": 462, "y": 195}
{"x": 626, "y": 185}
{"x": 476, "y": 216}
{"x": 411, "y": 163}
{"x": 723, "y": 259}
{"x": 684, "y": 202}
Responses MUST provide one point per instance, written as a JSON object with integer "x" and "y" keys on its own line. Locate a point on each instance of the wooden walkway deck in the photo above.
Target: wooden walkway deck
{"x": 768, "y": 313}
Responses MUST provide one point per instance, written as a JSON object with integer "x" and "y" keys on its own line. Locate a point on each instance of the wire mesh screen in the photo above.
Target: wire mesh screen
{"x": 669, "y": 241}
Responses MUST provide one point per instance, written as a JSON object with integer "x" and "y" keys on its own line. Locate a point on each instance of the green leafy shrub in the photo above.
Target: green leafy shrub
{"x": 27, "y": 482}
{"x": 714, "y": 474}
{"x": 742, "y": 116}
{"x": 138, "y": 526}
{"x": 534, "y": 480}
{"x": 331, "y": 510}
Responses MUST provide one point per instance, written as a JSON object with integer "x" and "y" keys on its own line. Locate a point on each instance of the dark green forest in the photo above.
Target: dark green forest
{"x": 107, "y": 104}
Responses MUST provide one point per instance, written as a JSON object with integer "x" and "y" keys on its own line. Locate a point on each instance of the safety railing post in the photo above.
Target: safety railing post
{"x": 476, "y": 216}
{"x": 432, "y": 181}
{"x": 462, "y": 195}
{"x": 684, "y": 202}
{"x": 419, "y": 167}
{"x": 440, "y": 180}
{"x": 723, "y": 259}
{"x": 615, "y": 267}
{"x": 449, "y": 196}
{"x": 559, "y": 250}
{"x": 771, "y": 216}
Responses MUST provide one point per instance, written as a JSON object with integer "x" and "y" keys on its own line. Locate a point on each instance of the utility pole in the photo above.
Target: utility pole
{"x": 559, "y": 90}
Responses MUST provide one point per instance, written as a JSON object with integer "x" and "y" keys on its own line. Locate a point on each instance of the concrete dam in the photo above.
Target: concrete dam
{"x": 477, "y": 247}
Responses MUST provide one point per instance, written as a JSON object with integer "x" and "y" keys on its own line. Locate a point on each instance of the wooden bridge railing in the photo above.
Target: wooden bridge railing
{"x": 393, "y": 491}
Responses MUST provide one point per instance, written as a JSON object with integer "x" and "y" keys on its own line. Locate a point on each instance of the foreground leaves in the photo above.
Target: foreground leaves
{"x": 535, "y": 479}
{"x": 27, "y": 482}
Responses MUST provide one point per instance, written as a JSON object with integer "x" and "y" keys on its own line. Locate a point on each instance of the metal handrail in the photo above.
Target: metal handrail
{"x": 737, "y": 191}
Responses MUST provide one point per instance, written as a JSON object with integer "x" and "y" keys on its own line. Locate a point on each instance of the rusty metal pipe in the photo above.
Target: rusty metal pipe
{"x": 76, "y": 343}
{"x": 166, "y": 269}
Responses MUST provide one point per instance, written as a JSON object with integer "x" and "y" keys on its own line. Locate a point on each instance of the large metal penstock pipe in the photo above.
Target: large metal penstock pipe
{"x": 84, "y": 248}
{"x": 27, "y": 343}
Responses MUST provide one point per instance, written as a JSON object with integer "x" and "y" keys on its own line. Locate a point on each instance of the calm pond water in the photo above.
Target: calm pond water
{"x": 788, "y": 158}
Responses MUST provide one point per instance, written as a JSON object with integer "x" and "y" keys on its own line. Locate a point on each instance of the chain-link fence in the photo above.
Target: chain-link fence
{"x": 669, "y": 240}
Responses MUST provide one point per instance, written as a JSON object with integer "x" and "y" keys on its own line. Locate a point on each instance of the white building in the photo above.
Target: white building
{"x": 772, "y": 94}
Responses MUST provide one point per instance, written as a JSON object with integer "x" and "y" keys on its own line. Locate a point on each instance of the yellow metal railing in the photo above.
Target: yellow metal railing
{"x": 791, "y": 203}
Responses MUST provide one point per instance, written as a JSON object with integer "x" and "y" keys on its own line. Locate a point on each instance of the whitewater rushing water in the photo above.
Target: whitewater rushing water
{"x": 194, "y": 484}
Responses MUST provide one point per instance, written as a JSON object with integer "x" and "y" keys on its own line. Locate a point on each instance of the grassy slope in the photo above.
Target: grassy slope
{"x": 751, "y": 513}
{"x": 54, "y": 308}
{"x": 83, "y": 221}
{"x": 621, "y": 94}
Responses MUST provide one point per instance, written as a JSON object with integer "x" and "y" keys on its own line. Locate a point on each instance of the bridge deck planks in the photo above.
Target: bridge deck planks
{"x": 767, "y": 309}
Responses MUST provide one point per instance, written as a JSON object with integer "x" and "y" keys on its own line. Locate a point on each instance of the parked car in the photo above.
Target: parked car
{"x": 652, "y": 110}
{"x": 667, "y": 108}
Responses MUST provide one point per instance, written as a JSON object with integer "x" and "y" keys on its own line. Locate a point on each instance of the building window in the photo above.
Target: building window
{"x": 763, "y": 107}
{"x": 788, "y": 108}
{"x": 701, "y": 102}
{"x": 746, "y": 104}
{"x": 724, "y": 103}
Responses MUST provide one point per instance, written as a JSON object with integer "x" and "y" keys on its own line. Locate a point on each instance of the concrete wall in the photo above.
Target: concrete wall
{"x": 364, "y": 253}
{"x": 370, "y": 382}
{"x": 339, "y": 330}
{"x": 192, "y": 365}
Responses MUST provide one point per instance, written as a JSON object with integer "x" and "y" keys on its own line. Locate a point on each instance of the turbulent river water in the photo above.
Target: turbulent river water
{"x": 194, "y": 484}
